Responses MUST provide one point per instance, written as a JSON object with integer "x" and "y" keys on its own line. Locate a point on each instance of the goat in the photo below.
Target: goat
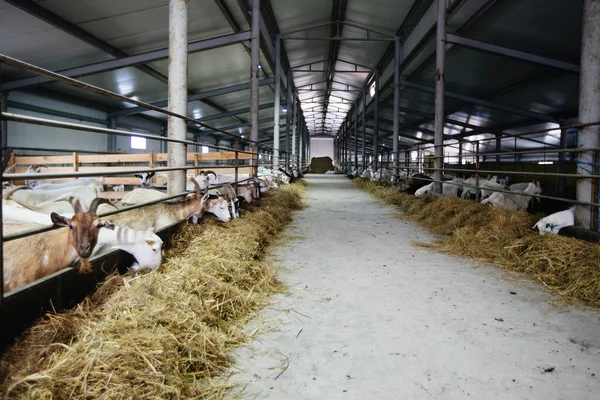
{"x": 144, "y": 245}
{"x": 33, "y": 169}
{"x": 555, "y": 222}
{"x": 368, "y": 173}
{"x": 162, "y": 215}
{"x": 89, "y": 182}
{"x": 448, "y": 189}
{"x": 381, "y": 175}
{"x": 227, "y": 192}
{"x": 141, "y": 195}
{"x": 29, "y": 197}
{"x": 513, "y": 201}
{"x": 13, "y": 211}
{"x": 33, "y": 257}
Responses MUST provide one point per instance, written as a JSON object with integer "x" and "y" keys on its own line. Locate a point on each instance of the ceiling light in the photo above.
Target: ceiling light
{"x": 545, "y": 162}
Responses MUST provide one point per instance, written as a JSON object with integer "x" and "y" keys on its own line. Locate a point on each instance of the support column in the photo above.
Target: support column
{"x": 396, "y": 138}
{"x": 4, "y": 128}
{"x": 460, "y": 153}
{"x": 111, "y": 140}
{"x": 277, "y": 109}
{"x": 254, "y": 78}
{"x": 178, "y": 73}
{"x": 356, "y": 136}
{"x": 440, "y": 58}
{"x": 364, "y": 131}
{"x": 498, "y": 149}
{"x": 561, "y": 162}
{"x": 589, "y": 107}
{"x": 288, "y": 122}
{"x": 294, "y": 137}
{"x": 301, "y": 142}
{"x": 376, "y": 123}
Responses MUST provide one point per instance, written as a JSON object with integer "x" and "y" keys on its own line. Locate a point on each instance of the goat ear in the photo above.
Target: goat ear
{"x": 151, "y": 174}
{"x": 107, "y": 225}
{"x": 205, "y": 197}
{"x": 138, "y": 176}
{"x": 59, "y": 220}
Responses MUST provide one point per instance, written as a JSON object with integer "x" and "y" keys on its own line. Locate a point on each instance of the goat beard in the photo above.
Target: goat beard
{"x": 85, "y": 267}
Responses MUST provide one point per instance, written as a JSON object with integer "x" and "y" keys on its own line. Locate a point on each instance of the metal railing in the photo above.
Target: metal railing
{"x": 253, "y": 161}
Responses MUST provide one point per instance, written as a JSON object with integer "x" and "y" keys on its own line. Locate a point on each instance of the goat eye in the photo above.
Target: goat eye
{"x": 149, "y": 242}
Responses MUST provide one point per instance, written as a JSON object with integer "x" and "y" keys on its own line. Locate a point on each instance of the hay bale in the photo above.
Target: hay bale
{"x": 320, "y": 165}
{"x": 164, "y": 334}
{"x": 566, "y": 266}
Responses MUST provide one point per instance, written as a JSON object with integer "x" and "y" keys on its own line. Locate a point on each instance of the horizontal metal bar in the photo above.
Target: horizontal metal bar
{"x": 57, "y": 175}
{"x": 194, "y": 97}
{"x": 234, "y": 112}
{"x": 520, "y": 55}
{"x": 58, "y": 113}
{"x": 106, "y": 131}
{"x": 541, "y": 196}
{"x": 94, "y": 89}
{"x": 34, "y": 231}
{"x": 339, "y": 39}
{"x": 481, "y": 102}
{"x": 575, "y": 176}
{"x": 129, "y": 61}
{"x": 337, "y": 70}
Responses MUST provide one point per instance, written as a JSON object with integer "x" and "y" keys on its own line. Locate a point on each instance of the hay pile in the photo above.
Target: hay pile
{"x": 161, "y": 335}
{"x": 320, "y": 165}
{"x": 567, "y": 266}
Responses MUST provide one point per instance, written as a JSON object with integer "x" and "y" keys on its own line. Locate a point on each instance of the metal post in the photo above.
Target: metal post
{"x": 477, "y": 191}
{"x": 498, "y": 149}
{"x": 288, "y": 121}
{"x": 301, "y": 142}
{"x": 440, "y": 57}
{"x": 396, "y": 105}
{"x": 589, "y": 109}
{"x": 356, "y": 136}
{"x": 561, "y": 163}
{"x": 364, "y": 131}
{"x": 460, "y": 153}
{"x": 277, "y": 109}
{"x": 376, "y": 122}
{"x": 3, "y": 124}
{"x": 3, "y": 146}
{"x": 178, "y": 73}
{"x": 254, "y": 100}
{"x": 111, "y": 140}
{"x": 294, "y": 122}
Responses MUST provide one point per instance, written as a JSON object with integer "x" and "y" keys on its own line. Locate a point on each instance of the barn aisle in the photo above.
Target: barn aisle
{"x": 369, "y": 316}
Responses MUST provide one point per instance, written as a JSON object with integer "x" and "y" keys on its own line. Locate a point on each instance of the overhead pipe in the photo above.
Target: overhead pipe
{"x": 396, "y": 133}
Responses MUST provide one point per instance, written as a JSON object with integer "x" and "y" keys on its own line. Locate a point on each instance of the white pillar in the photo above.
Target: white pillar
{"x": 589, "y": 105}
{"x": 178, "y": 72}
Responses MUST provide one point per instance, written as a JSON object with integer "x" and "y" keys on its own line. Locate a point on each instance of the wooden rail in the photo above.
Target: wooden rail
{"x": 125, "y": 162}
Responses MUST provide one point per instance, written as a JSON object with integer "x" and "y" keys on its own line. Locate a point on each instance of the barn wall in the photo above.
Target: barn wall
{"x": 321, "y": 147}
{"x": 28, "y": 135}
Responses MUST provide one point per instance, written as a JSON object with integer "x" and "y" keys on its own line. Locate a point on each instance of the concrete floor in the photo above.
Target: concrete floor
{"x": 369, "y": 316}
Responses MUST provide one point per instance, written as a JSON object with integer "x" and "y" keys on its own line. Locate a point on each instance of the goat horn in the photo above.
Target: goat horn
{"x": 35, "y": 167}
{"x": 198, "y": 191}
{"x": 76, "y": 204}
{"x": 96, "y": 202}
{"x": 210, "y": 172}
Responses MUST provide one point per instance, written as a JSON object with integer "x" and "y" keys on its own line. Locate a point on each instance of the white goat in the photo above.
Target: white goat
{"x": 448, "y": 189}
{"x": 513, "y": 201}
{"x": 554, "y": 222}
{"x": 140, "y": 195}
{"x": 144, "y": 245}
{"x": 29, "y": 197}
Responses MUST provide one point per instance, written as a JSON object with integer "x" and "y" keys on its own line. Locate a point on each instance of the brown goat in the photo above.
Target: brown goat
{"x": 33, "y": 257}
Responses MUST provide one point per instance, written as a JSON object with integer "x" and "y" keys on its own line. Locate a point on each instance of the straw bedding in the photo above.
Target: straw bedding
{"x": 161, "y": 335}
{"x": 566, "y": 266}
